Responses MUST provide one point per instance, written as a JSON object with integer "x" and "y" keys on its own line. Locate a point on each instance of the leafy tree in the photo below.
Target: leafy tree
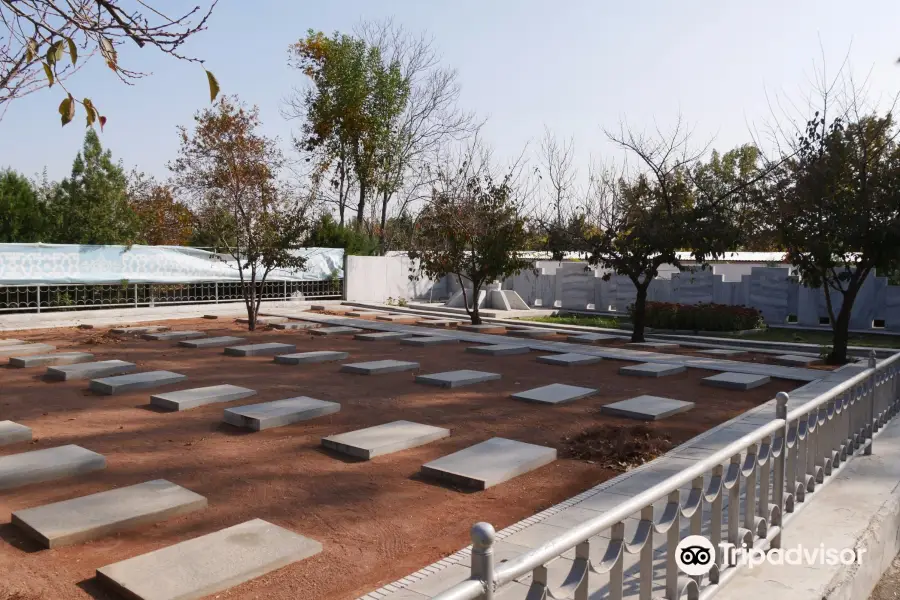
{"x": 231, "y": 172}
{"x": 162, "y": 221}
{"x": 22, "y": 216}
{"x": 40, "y": 33}
{"x": 327, "y": 233}
{"x": 91, "y": 205}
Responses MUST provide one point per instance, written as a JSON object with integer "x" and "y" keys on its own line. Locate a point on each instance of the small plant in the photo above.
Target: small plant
{"x": 401, "y": 302}
{"x": 701, "y": 317}
{"x": 825, "y": 351}
{"x": 390, "y": 301}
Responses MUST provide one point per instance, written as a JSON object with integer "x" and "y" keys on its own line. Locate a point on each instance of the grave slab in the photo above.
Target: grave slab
{"x": 91, "y": 517}
{"x": 482, "y": 328}
{"x": 262, "y": 320}
{"x": 530, "y": 333}
{"x": 48, "y": 464}
{"x": 210, "y": 316}
{"x": 260, "y": 349}
{"x": 736, "y": 381}
{"x": 363, "y": 314}
{"x": 210, "y": 342}
{"x": 652, "y": 370}
{"x": 653, "y": 345}
{"x": 26, "y": 349}
{"x": 208, "y": 564}
{"x": 398, "y": 318}
{"x": 721, "y": 352}
{"x": 428, "y": 340}
{"x": 120, "y": 384}
{"x": 555, "y": 393}
{"x": 12, "y": 433}
{"x": 646, "y": 408}
{"x": 267, "y": 415}
{"x": 139, "y": 330}
{"x": 380, "y": 335}
{"x": 489, "y": 463}
{"x": 90, "y": 370}
{"x": 455, "y": 379}
{"x": 335, "y": 330}
{"x": 384, "y": 439}
{"x": 378, "y": 367}
{"x": 792, "y": 360}
{"x": 590, "y": 338}
{"x": 47, "y": 360}
{"x": 12, "y": 342}
{"x": 499, "y": 350}
{"x": 194, "y": 397}
{"x": 569, "y": 359}
{"x": 173, "y": 335}
{"x": 296, "y": 325}
{"x": 303, "y": 358}
{"x": 441, "y": 322}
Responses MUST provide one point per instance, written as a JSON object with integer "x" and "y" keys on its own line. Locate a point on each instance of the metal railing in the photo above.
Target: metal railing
{"x": 79, "y": 296}
{"x": 777, "y": 478}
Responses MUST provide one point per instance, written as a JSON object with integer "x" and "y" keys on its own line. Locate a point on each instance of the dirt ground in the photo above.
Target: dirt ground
{"x": 889, "y": 586}
{"x": 377, "y": 520}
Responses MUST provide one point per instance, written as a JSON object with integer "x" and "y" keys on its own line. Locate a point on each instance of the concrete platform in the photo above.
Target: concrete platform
{"x": 380, "y": 336}
{"x": 378, "y": 367}
{"x": 47, "y": 465}
{"x": 335, "y": 330}
{"x": 483, "y": 328}
{"x": 362, "y": 314}
{"x": 139, "y": 330}
{"x": 12, "y": 342}
{"x": 531, "y": 333}
{"x": 194, "y": 397}
{"x": 91, "y": 517}
{"x": 441, "y": 323}
{"x": 792, "y": 360}
{"x": 90, "y": 370}
{"x": 12, "y": 433}
{"x": 555, "y": 393}
{"x": 135, "y": 381}
{"x": 208, "y": 564}
{"x": 173, "y": 335}
{"x": 304, "y": 358}
{"x": 652, "y": 370}
{"x": 408, "y": 319}
{"x": 262, "y": 320}
{"x": 296, "y": 325}
{"x": 589, "y": 338}
{"x": 48, "y": 360}
{"x": 211, "y": 342}
{"x": 455, "y": 379}
{"x": 653, "y": 345}
{"x": 736, "y": 381}
{"x": 26, "y": 349}
{"x": 569, "y": 359}
{"x": 428, "y": 340}
{"x": 489, "y": 463}
{"x": 260, "y": 349}
{"x": 720, "y": 352}
{"x": 646, "y": 408}
{"x": 280, "y": 412}
{"x": 499, "y": 350}
{"x": 384, "y": 439}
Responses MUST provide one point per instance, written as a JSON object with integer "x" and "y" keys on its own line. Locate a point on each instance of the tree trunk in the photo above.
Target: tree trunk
{"x": 840, "y": 327}
{"x": 638, "y": 316}
{"x": 476, "y": 318}
{"x": 385, "y": 198}
{"x": 251, "y": 303}
{"x": 462, "y": 287}
{"x": 342, "y": 192}
{"x": 361, "y": 206}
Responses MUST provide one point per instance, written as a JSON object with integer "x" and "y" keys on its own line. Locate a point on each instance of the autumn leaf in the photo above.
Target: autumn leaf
{"x": 73, "y": 50}
{"x": 109, "y": 53}
{"x": 67, "y": 109}
{"x": 90, "y": 110}
{"x": 213, "y": 86}
{"x": 49, "y": 72}
{"x": 102, "y": 122}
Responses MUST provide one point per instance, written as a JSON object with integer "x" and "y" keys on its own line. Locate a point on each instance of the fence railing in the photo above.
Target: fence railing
{"x": 77, "y": 296}
{"x": 742, "y": 495}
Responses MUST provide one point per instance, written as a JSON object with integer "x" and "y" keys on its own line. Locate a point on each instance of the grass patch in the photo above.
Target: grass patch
{"x": 605, "y": 322}
{"x": 821, "y": 338}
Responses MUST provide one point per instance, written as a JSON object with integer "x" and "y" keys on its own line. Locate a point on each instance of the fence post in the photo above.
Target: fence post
{"x": 483, "y": 536}
{"x": 285, "y": 291}
{"x": 135, "y": 295}
{"x": 781, "y": 400}
{"x": 39, "y": 298}
{"x": 217, "y": 292}
{"x": 873, "y": 380}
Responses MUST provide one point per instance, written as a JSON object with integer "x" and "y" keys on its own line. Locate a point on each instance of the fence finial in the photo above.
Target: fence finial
{"x": 781, "y": 400}
{"x": 872, "y": 361}
{"x": 483, "y": 536}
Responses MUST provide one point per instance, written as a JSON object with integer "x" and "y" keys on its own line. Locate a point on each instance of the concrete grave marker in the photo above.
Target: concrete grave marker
{"x": 499, "y": 350}
{"x": 12, "y": 433}
{"x": 531, "y": 333}
{"x": 380, "y": 335}
{"x": 26, "y": 349}
{"x": 304, "y": 358}
{"x": 210, "y": 342}
{"x": 555, "y": 393}
{"x": 362, "y": 314}
{"x": 384, "y": 439}
{"x": 590, "y": 338}
{"x": 46, "y": 360}
{"x": 652, "y": 370}
{"x": 139, "y": 330}
{"x": 260, "y": 349}
{"x": 262, "y": 320}
{"x": 569, "y": 359}
{"x": 646, "y": 408}
{"x": 793, "y": 360}
{"x": 12, "y": 342}
{"x": 482, "y": 328}
{"x": 134, "y": 381}
{"x": 208, "y": 564}
{"x": 280, "y": 412}
{"x": 399, "y": 318}
{"x": 91, "y": 517}
{"x": 489, "y": 463}
{"x": 47, "y": 465}
{"x": 455, "y": 379}
{"x": 428, "y": 340}
{"x": 378, "y": 367}
{"x": 736, "y": 381}
{"x": 721, "y": 352}
{"x": 653, "y": 345}
{"x": 441, "y": 323}
{"x": 194, "y": 397}
{"x": 335, "y": 330}
{"x": 90, "y": 370}
{"x": 173, "y": 335}
{"x": 296, "y": 325}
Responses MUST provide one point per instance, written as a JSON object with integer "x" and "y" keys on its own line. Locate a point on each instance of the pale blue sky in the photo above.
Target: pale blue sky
{"x": 574, "y": 65}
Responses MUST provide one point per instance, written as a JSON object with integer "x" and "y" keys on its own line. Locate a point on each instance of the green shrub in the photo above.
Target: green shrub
{"x": 701, "y": 317}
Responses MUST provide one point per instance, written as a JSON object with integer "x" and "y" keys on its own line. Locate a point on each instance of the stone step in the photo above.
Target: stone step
{"x": 455, "y": 379}
{"x": 489, "y": 463}
{"x": 210, "y": 342}
{"x": 12, "y": 433}
{"x": 652, "y": 370}
{"x": 303, "y": 358}
{"x": 384, "y": 439}
{"x": 91, "y": 517}
{"x": 90, "y": 370}
{"x": 139, "y": 330}
{"x": 48, "y": 360}
{"x": 379, "y": 367}
{"x": 47, "y": 465}
{"x": 136, "y": 381}
{"x": 208, "y": 564}
{"x": 26, "y": 349}
{"x": 335, "y": 330}
{"x": 280, "y": 412}
{"x": 569, "y": 359}
{"x": 499, "y": 350}
{"x": 173, "y": 335}
{"x": 260, "y": 349}
{"x": 194, "y": 397}
{"x": 429, "y": 341}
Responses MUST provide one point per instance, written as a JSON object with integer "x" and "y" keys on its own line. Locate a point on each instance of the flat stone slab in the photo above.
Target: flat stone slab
{"x": 260, "y": 349}
{"x": 335, "y": 330}
{"x": 12, "y": 342}
{"x": 139, "y": 330}
{"x": 90, "y": 370}
{"x": 652, "y": 370}
{"x": 12, "y": 433}
{"x": 210, "y": 342}
{"x": 555, "y": 393}
{"x": 792, "y": 360}
{"x": 482, "y": 328}
{"x": 455, "y": 379}
{"x": 569, "y": 359}
{"x": 365, "y": 313}
{"x": 94, "y": 516}
{"x": 499, "y": 350}
{"x": 134, "y": 381}
{"x": 653, "y": 345}
{"x": 384, "y": 439}
{"x": 399, "y": 318}
{"x": 303, "y": 358}
{"x": 26, "y": 349}
{"x": 530, "y": 333}
{"x": 491, "y": 462}
{"x": 428, "y": 340}
{"x": 736, "y": 381}
{"x": 296, "y": 325}
{"x": 592, "y": 337}
{"x": 47, "y": 360}
{"x": 721, "y": 352}
{"x": 441, "y": 322}
{"x": 194, "y": 397}
{"x": 173, "y": 335}
{"x": 280, "y": 412}
{"x": 380, "y": 335}
{"x": 646, "y": 408}
{"x": 208, "y": 564}
{"x": 48, "y": 464}
{"x": 377, "y": 367}
{"x": 262, "y": 320}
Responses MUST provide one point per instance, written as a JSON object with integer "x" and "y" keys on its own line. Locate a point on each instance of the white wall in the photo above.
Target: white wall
{"x": 377, "y": 278}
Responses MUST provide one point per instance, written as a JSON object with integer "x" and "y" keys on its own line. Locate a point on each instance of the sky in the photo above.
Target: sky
{"x": 574, "y": 66}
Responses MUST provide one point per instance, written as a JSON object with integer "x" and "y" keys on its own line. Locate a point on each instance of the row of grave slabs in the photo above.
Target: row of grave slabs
{"x": 391, "y": 467}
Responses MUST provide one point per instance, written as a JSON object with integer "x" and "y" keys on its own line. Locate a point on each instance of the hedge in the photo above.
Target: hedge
{"x": 701, "y": 317}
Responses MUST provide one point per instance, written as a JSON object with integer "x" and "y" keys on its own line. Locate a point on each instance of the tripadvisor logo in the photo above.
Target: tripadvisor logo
{"x": 695, "y": 555}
